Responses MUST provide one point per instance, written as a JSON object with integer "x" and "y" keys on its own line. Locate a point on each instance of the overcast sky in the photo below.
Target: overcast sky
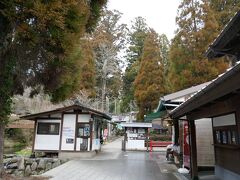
{"x": 159, "y": 14}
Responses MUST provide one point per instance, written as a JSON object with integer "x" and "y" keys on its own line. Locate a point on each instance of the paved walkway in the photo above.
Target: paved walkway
{"x": 114, "y": 164}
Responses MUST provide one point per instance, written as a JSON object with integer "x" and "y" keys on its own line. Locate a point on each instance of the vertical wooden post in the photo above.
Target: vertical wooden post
{"x": 91, "y": 132}
{"x": 76, "y": 132}
{"x": 147, "y": 139}
{"x": 125, "y": 139}
{"x": 60, "y": 143}
{"x": 176, "y": 131}
{"x": 237, "y": 115}
{"x": 34, "y": 135}
{"x": 214, "y": 142}
{"x": 193, "y": 150}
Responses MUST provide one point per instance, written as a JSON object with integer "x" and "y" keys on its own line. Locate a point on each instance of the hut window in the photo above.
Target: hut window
{"x": 48, "y": 128}
{"x": 83, "y": 130}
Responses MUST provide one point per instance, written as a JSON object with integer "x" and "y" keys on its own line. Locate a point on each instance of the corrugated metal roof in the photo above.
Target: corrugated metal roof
{"x": 184, "y": 92}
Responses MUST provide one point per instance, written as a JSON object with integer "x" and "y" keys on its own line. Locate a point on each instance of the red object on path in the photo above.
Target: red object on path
{"x": 159, "y": 144}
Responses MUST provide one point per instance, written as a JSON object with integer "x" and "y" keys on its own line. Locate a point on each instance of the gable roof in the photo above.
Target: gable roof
{"x": 184, "y": 92}
{"x": 166, "y": 102}
{"x": 227, "y": 83}
{"x": 67, "y": 108}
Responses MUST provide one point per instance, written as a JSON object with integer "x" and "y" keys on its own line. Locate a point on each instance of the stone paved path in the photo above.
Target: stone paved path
{"x": 113, "y": 164}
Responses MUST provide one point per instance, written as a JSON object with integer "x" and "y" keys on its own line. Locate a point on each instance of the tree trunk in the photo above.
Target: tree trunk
{"x": 103, "y": 93}
{"x": 6, "y": 89}
{"x": 2, "y": 127}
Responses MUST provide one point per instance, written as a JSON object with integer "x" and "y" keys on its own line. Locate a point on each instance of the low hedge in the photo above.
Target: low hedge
{"x": 160, "y": 137}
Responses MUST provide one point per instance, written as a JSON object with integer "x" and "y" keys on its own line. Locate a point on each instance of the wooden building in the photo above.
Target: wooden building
{"x": 220, "y": 100}
{"x": 204, "y": 139}
{"x": 69, "y": 131}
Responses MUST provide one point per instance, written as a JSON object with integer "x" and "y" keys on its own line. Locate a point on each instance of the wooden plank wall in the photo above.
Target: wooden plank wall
{"x": 205, "y": 148}
{"x": 228, "y": 158}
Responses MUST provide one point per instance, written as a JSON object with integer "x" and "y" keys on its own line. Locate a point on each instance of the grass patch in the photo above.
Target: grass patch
{"x": 24, "y": 152}
{"x": 19, "y": 145}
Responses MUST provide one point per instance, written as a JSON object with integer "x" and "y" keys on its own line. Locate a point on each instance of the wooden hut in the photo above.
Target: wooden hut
{"x": 136, "y": 136}
{"x": 72, "y": 131}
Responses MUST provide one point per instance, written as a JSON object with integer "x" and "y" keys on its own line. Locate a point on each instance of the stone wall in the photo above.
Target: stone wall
{"x": 23, "y": 166}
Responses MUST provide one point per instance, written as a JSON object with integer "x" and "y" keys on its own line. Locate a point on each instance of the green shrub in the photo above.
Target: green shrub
{"x": 19, "y": 144}
{"x": 160, "y": 137}
{"x": 119, "y": 132}
{"x": 23, "y": 136}
{"x": 14, "y": 133}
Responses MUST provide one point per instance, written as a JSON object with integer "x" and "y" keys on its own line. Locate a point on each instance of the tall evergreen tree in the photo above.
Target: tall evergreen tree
{"x": 224, "y": 10}
{"x": 38, "y": 40}
{"x": 136, "y": 39}
{"x": 149, "y": 81}
{"x": 197, "y": 28}
{"x": 87, "y": 68}
{"x": 164, "y": 49}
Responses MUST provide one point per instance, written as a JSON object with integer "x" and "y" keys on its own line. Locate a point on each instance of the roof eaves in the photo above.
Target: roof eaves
{"x": 181, "y": 110}
{"x": 212, "y": 52}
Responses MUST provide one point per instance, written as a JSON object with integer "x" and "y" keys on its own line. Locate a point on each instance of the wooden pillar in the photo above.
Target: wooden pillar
{"x": 34, "y": 135}
{"x": 238, "y": 123}
{"x": 91, "y": 133}
{"x": 60, "y": 143}
{"x": 193, "y": 150}
{"x": 147, "y": 138}
{"x": 125, "y": 139}
{"x": 176, "y": 131}
{"x": 76, "y": 132}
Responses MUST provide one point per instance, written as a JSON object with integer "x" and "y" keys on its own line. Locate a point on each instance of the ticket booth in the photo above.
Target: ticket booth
{"x": 70, "y": 132}
{"x": 136, "y": 136}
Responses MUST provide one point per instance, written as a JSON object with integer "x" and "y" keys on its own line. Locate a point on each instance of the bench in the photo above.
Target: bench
{"x": 158, "y": 144}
